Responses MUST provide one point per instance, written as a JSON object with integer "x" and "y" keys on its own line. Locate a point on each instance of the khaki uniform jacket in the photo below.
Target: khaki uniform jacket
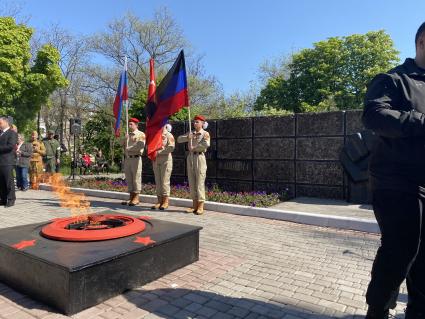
{"x": 163, "y": 165}
{"x": 135, "y": 143}
{"x": 200, "y": 142}
{"x": 168, "y": 144}
{"x": 197, "y": 163}
{"x": 134, "y": 147}
{"x": 38, "y": 150}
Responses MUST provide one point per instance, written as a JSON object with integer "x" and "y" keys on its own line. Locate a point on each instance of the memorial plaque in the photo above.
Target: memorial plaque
{"x": 319, "y": 124}
{"x": 234, "y": 128}
{"x": 319, "y": 148}
{"x": 274, "y": 148}
{"x": 325, "y": 173}
{"x": 274, "y": 126}
{"x": 234, "y": 169}
{"x": 274, "y": 171}
{"x": 234, "y": 149}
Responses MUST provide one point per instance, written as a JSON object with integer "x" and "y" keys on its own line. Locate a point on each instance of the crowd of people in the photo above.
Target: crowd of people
{"x": 37, "y": 157}
{"x": 31, "y": 160}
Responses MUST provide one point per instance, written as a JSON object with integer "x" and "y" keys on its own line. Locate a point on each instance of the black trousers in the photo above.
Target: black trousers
{"x": 7, "y": 184}
{"x": 402, "y": 252}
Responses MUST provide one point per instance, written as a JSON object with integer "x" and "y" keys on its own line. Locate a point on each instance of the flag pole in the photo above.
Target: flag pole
{"x": 190, "y": 126}
{"x": 126, "y": 102}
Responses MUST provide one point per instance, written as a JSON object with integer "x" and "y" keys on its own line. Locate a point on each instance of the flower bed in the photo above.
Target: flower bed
{"x": 213, "y": 192}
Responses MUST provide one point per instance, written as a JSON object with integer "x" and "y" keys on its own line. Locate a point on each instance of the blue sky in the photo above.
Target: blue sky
{"x": 236, "y": 36}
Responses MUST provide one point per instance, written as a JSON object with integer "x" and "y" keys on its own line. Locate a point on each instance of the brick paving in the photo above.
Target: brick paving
{"x": 249, "y": 268}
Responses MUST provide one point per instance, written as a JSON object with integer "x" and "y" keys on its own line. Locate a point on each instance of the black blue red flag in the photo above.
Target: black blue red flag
{"x": 170, "y": 96}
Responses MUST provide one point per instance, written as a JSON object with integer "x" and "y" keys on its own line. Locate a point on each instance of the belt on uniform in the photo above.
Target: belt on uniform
{"x": 197, "y": 153}
{"x": 134, "y": 156}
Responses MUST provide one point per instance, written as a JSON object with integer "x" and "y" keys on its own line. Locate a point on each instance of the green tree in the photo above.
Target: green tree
{"x": 331, "y": 75}
{"x": 25, "y": 86}
{"x": 139, "y": 40}
{"x": 99, "y": 134}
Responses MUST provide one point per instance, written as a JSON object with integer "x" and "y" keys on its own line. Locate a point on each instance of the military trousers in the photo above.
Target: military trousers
{"x": 50, "y": 165}
{"x": 401, "y": 219}
{"x": 133, "y": 174}
{"x": 196, "y": 173}
{"x": 35, "y": 171}
{"x": 162, "y": 168}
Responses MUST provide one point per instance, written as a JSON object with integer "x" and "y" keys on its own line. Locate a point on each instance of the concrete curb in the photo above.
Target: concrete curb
{"x": 359, "y": 224}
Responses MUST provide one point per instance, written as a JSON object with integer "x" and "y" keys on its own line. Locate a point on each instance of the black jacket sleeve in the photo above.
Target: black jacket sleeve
{"x": 10, "y": 144}
{"x": 383, "y": 112}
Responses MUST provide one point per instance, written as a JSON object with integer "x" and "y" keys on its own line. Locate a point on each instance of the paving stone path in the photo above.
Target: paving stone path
{"x": 249, "y": 267}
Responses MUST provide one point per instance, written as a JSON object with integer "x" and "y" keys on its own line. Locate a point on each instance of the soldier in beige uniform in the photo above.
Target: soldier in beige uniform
{"x": 36, "y": 160}
{"x": 134, "y": 145}
{"x": 162, "y": 168}
{"x": 198, "y": 144}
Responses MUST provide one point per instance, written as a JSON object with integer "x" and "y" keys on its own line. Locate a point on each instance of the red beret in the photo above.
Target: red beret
{"x": 200, "y": 118}
{"x": 134, "y": 120}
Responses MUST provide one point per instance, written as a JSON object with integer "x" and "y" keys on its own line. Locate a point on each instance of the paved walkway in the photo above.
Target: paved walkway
{"x": 249, "y": 267}
{"x": 327, "y": 207}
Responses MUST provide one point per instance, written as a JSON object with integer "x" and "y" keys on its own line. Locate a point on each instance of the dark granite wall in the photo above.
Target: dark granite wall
{"x": 296, "y": 153}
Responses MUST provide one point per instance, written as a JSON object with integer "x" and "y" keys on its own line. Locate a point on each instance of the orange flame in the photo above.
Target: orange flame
{"x": 38, "y": 179}
{"x": 76, "y": 202}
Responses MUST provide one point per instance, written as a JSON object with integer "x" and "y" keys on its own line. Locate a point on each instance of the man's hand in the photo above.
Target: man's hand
{"x": 58, "y": 161}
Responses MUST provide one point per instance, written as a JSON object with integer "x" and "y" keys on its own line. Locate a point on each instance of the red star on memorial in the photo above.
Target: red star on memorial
{"x": 144, "y": 240}
{"x": 23, "y": 244}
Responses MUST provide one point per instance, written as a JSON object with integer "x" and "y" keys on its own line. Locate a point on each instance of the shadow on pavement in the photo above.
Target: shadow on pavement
{"x": 171, "y": 303}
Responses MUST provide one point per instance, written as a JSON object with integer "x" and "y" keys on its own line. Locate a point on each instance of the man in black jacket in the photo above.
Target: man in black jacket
{"x": 395, "y": 111}
{"x": 8, "y": 140}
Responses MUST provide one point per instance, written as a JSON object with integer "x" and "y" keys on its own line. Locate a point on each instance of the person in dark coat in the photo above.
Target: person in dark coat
{"x": 8, "y": 141}
{"x": 395, "y": 111}
{"x": 23, "y": 155}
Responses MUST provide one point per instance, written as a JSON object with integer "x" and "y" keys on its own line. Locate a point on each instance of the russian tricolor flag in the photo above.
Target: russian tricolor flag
{"x": 120, "y": 99}
{"x": 171, "y": 95}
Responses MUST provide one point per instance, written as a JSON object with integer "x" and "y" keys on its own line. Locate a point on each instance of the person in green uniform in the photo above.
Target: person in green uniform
{"x": 52, "y": 155}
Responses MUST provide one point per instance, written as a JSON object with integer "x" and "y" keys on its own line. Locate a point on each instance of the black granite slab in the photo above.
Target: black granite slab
{"x": 72, "y": 276}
